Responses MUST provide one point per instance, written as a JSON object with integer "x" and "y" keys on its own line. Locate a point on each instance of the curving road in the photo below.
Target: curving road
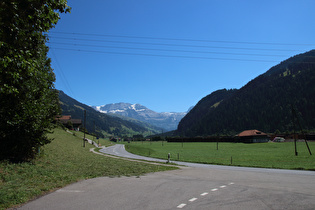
{"x": 198, "y": 186}
{"x": 119, "y": 150}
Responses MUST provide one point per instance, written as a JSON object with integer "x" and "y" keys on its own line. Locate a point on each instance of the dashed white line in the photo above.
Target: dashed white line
{"x": 193, "y": 199}
{"x": 203, "y": 194}
{"x": 180, "y": 206}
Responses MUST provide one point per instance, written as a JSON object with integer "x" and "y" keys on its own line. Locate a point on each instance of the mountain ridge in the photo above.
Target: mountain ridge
{"x": 165, "y": 120}
{"x": 264, "y": 103}
{"x": 104, "y": 124}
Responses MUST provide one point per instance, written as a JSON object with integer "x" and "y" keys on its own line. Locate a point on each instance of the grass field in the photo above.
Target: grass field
{"x": 62, "y": 162}
{"x": 101, "y": 141}
{"x": 266, "y": 155}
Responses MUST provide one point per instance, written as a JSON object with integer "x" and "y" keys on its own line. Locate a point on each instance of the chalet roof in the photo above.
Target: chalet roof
{"x": 251, "y": 133}
{"x": 67, "y": 118}
{"x": 64, "y": 117}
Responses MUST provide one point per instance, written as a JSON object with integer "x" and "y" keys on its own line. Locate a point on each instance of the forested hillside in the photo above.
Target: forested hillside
{"x": 103, "y": 123}
{"x": 264, "y": 103}
{"x": 204, "y": 106}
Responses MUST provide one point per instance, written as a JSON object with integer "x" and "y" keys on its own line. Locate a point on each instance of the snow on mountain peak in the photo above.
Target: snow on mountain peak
{"x": 166, "y": 120}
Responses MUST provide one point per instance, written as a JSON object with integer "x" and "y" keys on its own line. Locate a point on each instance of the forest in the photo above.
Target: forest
{"x": 275, "y": 101}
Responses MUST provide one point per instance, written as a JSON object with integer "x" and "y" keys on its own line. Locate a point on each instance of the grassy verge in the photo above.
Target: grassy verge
{"x": 62, "y": 162}
{"x": 266, "y": 155}
{"x": 102, "y": 142}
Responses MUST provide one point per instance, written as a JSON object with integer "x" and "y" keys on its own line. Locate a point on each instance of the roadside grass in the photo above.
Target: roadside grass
{"x": 264, "y": 155}
{"x": 101, "y": 141}
{"x": 62, "y": 162}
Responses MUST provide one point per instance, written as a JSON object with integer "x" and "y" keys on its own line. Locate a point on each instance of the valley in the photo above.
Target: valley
{"x": 266, "y": 103}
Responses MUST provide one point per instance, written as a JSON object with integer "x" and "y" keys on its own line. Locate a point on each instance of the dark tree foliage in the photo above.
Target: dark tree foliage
{"x": 264, "y": 103}
{"x": 28, "y": 101}
{"x": 203, "y": 107}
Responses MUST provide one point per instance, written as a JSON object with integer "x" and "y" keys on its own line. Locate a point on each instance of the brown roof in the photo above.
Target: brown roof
{"x": 64, "y": 117}
{"x": 252, "y": 133}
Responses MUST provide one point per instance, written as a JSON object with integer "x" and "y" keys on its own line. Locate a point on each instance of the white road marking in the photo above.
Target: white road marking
{"x": 71, "y": 191}
{"x": 181, "y": 206}
{"x": 193, "y": 199}
{"x": 203, "y": 194}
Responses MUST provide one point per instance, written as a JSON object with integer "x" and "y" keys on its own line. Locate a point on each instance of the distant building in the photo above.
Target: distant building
{"x": 253, "y": 136}
{"x": 70, "y": 123}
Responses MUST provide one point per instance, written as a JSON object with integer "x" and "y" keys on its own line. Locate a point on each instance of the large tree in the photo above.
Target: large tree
{"x": 28, "y": 100}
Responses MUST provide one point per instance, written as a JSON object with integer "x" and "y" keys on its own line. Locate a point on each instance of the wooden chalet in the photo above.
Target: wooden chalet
{"x": 253, "y": 136}
{"x": 70, "y": 123}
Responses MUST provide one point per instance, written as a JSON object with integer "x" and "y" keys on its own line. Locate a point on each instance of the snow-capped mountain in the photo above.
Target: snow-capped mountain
{"x": 165, "y": 120}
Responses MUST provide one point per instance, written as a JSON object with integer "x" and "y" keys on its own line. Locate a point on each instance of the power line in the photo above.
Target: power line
{"x": 169, "y": 56}
{"x": 190, "y": 40}
{"x": 168, "y": 50}
{"x": 158, "y": 55}
{"x": 175, "y": 45}
{"x": 179, "y": 47}
{"x": 63, "y": 77}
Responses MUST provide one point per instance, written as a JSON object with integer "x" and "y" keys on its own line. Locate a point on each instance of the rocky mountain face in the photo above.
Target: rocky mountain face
{"x": 102, "y": 124}
{"x": 165, "y": 120}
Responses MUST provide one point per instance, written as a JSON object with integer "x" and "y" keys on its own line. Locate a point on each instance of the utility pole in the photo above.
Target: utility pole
{"x": 297, "y": 119}
{"x": 94, "y": 129}
{"x": 84, "y": 127}
{"x": 217, "y": 144}
{"x": 294, "y": 133}
{"x": 162, "y": 137}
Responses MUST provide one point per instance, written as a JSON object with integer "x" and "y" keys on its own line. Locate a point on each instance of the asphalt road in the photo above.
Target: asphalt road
{"x": 119, "y": 150}
{"x": 204, "y": 187}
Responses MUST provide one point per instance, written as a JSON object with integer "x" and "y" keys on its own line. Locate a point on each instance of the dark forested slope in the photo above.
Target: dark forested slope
{"x": 103, "y": 122}
{"x": 264, "y": 103}
{"x": 205, "y": 106}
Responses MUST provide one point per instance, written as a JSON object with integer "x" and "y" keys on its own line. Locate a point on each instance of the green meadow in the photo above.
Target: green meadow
{"x": 266, "y": 155}
{"x": 60, "y": 163}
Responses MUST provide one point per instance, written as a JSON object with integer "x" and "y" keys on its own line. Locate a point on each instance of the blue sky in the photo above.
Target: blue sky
{"x": 168, "y": 54}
